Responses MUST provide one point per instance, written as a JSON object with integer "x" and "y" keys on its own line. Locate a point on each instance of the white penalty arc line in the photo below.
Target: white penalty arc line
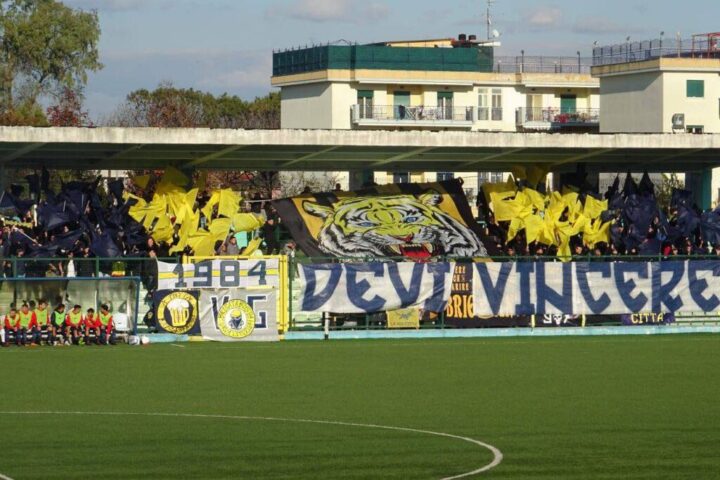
{"x": 497, "y": 454}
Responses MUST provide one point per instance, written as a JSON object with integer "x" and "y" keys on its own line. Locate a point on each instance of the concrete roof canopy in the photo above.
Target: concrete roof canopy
{"x": 332, "y": 150}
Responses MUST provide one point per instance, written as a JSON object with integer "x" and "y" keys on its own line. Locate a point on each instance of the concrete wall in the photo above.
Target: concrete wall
{"x": 631, "y": 103}
{"x": 698, "y": 111}
{"x": 343, "y": 97}
{"x": 307, "y": 106}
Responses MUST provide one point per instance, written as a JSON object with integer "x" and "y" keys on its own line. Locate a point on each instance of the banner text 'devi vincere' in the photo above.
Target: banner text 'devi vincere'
{"x": 516, "y": 288}
{"x": 594, "y": 288}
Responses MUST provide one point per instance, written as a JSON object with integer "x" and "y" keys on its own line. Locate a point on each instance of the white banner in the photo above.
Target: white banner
{"x": 230, "y": 315}
{"x": 375, "y": 287}
{"x": 219, "y": 273}
{"x": 595, "y": 288}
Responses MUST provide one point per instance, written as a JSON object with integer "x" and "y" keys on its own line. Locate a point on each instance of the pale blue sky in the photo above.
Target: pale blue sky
{"x": 226, "y": 45}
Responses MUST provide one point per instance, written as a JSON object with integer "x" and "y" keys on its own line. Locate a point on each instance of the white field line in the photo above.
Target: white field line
{"x": 497, "y": 454}
{"x": 177, "y": 345}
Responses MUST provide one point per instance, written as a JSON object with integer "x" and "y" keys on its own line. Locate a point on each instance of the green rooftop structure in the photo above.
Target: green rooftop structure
{"x": 382, "y": 57}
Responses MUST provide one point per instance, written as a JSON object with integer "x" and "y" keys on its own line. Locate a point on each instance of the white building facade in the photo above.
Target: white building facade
{"x": 434, "y": 85}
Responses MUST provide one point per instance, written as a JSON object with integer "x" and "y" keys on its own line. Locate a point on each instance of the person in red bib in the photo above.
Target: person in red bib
{"x": 92, "y": 325}
{"x": 28, "y": 326}
{"x": 12, "y": 326}
{"x": 74, "y": 325}
{"x": 107, "y": 327}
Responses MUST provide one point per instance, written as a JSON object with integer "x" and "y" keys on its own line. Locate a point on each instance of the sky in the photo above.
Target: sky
{"x": 226, "y": 45}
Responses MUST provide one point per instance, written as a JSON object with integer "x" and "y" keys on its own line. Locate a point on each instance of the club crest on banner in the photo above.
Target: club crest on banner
{"x": 177, "y": 312}
{"x": 236, "y": 319}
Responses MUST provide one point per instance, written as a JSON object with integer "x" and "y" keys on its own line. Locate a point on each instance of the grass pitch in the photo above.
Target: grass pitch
{"x": 558, "y": 408}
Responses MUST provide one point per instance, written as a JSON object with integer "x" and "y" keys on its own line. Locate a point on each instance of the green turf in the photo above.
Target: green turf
{"x": 558, "y": 408}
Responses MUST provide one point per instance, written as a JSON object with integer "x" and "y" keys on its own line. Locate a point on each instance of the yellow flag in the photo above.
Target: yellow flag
{"x": 252, "y": 246}
{"x": 202, "y": 180}
{"x": 594, "y": 208}
{"x": 191, "y": 197}
{"x": 162, "y": 231}
{"x": 246, "y": 222}
{"x": 505, "y": 209}
{"x": 202, "y": 243}
{"x": 229, "y": 203}
{"x": 533, "y": 227}
{"x": 174, "y": 176}
{"x": 536, "y": 198}
{"x": 141, "y": 181}
{"x": 536, "y": 175}
{"x": 488, "y": 188}
{"x": 210, "y": 205}
{"x": 516, "y": 224}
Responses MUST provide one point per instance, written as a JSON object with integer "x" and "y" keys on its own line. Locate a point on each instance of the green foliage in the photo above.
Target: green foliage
{"x": 663, "y": 192}
{"x": 171, "y": 107}
{"x": 45, "y": 47}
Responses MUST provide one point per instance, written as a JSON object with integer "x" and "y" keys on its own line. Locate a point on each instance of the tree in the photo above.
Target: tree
{"x": 171, "y": 107}
{"x": 663, "y": 192}
{"x": 45, "y": 47}
{"x": 68, "y": 112}
{"x": 294, "y": 183}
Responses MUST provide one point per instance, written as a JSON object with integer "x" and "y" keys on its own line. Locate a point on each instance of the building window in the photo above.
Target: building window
{"x": 442, "y": 176}
{"x": 497, "y": 114}
{"x": 696, "y": 88}
{"x": 445, "y": 105}
{"x": 483, "y": 110}
{"x": 401, "y": 177}
{"x": 490, "y": 177}
{"x": 365, "y": 103}
{"x": 699, "y": 129}
{"x": 401, "y": 101}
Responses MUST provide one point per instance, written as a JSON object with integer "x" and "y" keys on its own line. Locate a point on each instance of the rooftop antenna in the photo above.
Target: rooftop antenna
{"x": 488, "y": 18}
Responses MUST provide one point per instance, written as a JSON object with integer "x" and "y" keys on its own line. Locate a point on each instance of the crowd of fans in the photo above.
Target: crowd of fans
{"x": 66, "y": 234}
{"x": 640, "y": 227}
{"x": 72, "y": 233}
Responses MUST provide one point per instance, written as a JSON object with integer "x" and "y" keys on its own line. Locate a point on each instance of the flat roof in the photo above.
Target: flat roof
{"x": 331, "y": 150}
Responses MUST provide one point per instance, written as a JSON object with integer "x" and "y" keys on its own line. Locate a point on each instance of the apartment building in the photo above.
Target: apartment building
{"x": 663, "y": 86}
{"x": 435, "y": 85}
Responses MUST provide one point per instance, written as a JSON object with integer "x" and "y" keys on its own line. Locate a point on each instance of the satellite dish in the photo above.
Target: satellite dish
{"x": 495, "y": 34}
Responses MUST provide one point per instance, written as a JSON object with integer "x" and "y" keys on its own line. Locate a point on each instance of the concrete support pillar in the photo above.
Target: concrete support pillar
{"x": 360, "y": 178}
{"x": 700, "y": 184}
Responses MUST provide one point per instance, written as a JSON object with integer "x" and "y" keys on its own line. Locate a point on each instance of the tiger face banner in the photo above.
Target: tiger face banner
{"x": 412, "y": 221}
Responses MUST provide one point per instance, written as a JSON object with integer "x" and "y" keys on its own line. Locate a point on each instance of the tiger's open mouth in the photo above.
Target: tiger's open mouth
{"x": 415, "y": 251}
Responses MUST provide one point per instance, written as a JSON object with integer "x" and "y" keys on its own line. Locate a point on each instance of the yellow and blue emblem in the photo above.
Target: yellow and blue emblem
{"x": 236, "y": 319}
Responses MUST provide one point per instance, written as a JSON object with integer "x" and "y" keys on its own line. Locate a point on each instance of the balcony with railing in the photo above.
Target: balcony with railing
{"x": 535, "y": 64}
{"x": 413, "y": 116}
{"x": 548, "y": 118}
{"x": 700, "y": 46}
